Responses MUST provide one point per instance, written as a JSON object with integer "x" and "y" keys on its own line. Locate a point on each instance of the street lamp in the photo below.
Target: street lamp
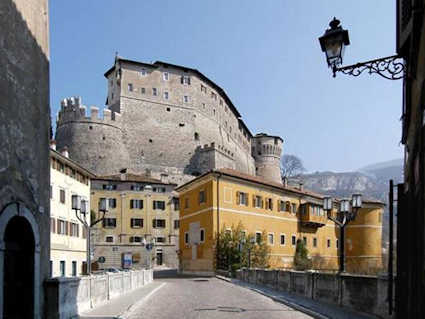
{"x": 81, "y": 208}
{"x": 333, "y": 43}
{"x": 345, "y": 214}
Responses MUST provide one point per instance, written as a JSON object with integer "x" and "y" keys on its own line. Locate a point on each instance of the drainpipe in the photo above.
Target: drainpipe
{"x": 218, "y": 218}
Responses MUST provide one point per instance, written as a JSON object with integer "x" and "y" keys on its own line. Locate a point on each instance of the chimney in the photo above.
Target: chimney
{"x": 64, "y": 152}
{"x": 53, "y": 145}
{"x": 123, "y": 173}
{"x": 164, "y": 178}
{"x": 301, "y": 187}
{"x": 285, "y": 181}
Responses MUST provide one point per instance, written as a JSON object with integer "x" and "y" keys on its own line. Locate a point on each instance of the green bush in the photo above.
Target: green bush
{"x": 301, "y": 260}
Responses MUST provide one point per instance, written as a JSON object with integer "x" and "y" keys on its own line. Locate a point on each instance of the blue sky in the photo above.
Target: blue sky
{"x": 264, "y": 54}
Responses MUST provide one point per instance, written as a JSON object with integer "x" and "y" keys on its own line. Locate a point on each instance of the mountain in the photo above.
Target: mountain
{"x": 371, "y": 181}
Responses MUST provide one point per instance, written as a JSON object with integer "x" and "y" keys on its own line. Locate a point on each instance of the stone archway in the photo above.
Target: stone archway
{"x": 19, "y": 263}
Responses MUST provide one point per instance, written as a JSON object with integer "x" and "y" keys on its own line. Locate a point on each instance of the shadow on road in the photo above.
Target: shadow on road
{"x": 171, "y": 273}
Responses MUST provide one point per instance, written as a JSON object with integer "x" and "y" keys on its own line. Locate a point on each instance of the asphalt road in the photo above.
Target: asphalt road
{"x": 209, "y": 298}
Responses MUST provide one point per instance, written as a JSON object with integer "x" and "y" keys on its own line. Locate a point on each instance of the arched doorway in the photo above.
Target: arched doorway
{"x": 20, "y": 289}
{"x": 18, "y": 269}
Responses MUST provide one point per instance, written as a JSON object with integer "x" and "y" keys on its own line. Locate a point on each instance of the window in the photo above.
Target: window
{"x": 258, "y": 202}
{"x": 176, "y": 203}
{"x": 202, "y": 235}
{"x": 271, "y": 239}
{"x": 269, "y": 204}
{"x": 136, "y": 187}
{"x": 165, "y": 76}
{"x": 130, "y": 87}
{"x": 143, "y": 72}
{"x": 62, "y": 196}
{"x": 74, "y": 268}
{"x": 143, "y": 90}
{"x": 281, "y": 205}
{"x": 109, "y": 222}
{"x": 62, "y": 227}
{"x": 258, "y": 237}
{"x": 136, "y": 204}
{"x": 154, "y": 92}
{"x": 166, "y": 95}
{"x": 186, "y": 202}
{"x": 242, "y": 198}
{"x": 62, "y": 268}
{"x": 305, "y": 240}
{"x": 337, "y": 243}
{"x": 221, "y": 102}
{"x": 202, "y": 197}
{"x": 176, "y": 224}
{"x": 135, "y": 239}
{"x": 109, "y": 187}
{"x": 160, "y": 239}
{"x": 112, "y": 202}
{"x": 288, "y": 206}
{"x": 158, "y": 204}
{"x": 186, "y": 99}
{"x": 74, "y": 230}
{"x": 293, "y": 240}
{"x": 203, "y": 88}
{"x": 314, "y": 242}
{"x": 158, "y": 223}
{"x": 282, "y": 239}
{"x": 186, "y": 238}
{"x": 185, "y": 80}
{"x": 328, "y": 243}
{"x": 158, "y": 189}
{"x": 294, "y": 208}
{"x": 136, "y": 223}
{"x": 196, "y": 136}
{"x": 109, "y": 239}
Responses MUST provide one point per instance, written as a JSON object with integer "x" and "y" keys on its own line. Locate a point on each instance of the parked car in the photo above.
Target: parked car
{"x": 112, "y": 269}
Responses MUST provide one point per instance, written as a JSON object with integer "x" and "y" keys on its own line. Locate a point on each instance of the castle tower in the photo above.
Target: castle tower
{"x": 267, "y": 151}
{"x": 94, "y": 142}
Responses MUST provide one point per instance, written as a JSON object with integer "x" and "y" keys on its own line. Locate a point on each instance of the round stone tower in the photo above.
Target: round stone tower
{"x": 267, "y": 151}
{"x": 94, "y": 142}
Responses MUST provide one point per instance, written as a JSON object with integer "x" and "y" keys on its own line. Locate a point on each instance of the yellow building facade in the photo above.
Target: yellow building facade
{"x": 224, "y": 198}
{"x": 141, "y": 210}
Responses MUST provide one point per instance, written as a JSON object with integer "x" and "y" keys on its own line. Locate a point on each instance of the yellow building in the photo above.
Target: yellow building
{"x": 223, "y": 198}
{"x": 141, "y": 210}
{"x": 68, "y": 243}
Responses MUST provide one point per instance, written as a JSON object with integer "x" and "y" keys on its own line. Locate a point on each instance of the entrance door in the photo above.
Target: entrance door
{"x": 18, "y": 270}
{"x": 159, "y": 258}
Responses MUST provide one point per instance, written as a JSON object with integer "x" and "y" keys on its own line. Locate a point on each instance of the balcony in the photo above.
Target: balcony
{"x": 312, "y": 215}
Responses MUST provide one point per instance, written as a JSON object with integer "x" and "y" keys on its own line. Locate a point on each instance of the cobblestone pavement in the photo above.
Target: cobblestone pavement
{"x": 210, "y": 298}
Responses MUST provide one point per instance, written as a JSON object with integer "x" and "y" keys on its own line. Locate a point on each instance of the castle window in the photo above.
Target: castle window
{"x": 166, "y": 95}
{"x": 181, "y": 124}
{"x": 213, "y": 96}
{"x": 165, "y": 76}
{"x": 130, "y": 87}
{"x": 90, "y": 127}
{"x": 196, "y": 136}
{"x": 142, "y": 90}
{"x": 214, "y": 111}
{"x": 168, "y": 109}
{"x": 185, "y": 80}
{"x": 143, "y": 72}
{"x": 154, "y": 92}
{"x": 203, "y": 88}
{"x": 186, "y": 99}
{"x": 150, "y": 141}
{"x": 221, "y": 102}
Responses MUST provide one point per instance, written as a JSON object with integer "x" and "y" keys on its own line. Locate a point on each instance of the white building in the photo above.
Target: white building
{"x": 68, "y": 236}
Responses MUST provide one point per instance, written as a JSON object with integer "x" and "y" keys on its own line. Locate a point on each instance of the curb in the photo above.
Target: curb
{"x": 298, "y": 307}
{"x": 134, "y": 306}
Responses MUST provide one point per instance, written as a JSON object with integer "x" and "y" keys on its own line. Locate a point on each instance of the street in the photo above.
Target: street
{"x": 209, "y": 298}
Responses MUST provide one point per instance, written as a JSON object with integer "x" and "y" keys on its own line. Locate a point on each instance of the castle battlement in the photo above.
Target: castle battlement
{"x": 218, "y": 148}
{"x": 72, "y": 110}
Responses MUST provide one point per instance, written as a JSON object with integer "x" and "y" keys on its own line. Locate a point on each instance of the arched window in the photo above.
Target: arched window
{"x": 196, "y": 136}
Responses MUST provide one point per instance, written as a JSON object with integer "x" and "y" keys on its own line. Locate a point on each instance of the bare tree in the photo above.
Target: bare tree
{"x": 291, "y": 166}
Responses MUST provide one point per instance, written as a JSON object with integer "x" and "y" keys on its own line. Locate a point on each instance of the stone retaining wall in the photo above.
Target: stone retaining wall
{"x": 67, "y": 297}
{"x": 366, "y": 294}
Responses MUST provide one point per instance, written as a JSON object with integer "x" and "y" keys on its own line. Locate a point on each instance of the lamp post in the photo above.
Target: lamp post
{"x": 81, "y": 208}
{"x": 343, "y": 217}
{"x": 333, "y": 43}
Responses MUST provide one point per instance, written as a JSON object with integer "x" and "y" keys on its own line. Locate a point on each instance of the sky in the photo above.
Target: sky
{"x": 264, "y": 54}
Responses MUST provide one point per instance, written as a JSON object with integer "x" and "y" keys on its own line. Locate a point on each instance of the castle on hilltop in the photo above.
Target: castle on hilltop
{"x": 166, "y": 121}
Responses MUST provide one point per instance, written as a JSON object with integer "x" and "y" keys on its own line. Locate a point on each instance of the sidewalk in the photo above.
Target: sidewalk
{"x": 121, "y": 306}
{"x": 309, "y": 306}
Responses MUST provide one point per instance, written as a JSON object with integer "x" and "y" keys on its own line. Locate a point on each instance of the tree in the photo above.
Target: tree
{"x": 291, "y": 166}
{"x": 301, "y": 260}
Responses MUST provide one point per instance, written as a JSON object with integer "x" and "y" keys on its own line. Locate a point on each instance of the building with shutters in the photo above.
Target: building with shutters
{"x": 142, "y": 210}
{"x": 68, "y": 238}
{"x": 221, "y": 199}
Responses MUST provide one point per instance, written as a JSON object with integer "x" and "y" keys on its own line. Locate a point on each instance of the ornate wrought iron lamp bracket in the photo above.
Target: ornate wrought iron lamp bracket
{"x": 391, "y": 68}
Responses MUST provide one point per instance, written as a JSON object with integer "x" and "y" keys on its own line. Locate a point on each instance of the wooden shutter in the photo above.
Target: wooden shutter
{"x": 131, "y": 203}
{"x": 53, "y": 227}
{"x": 58, "y": 226}
{"x": 66, "y": 228}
